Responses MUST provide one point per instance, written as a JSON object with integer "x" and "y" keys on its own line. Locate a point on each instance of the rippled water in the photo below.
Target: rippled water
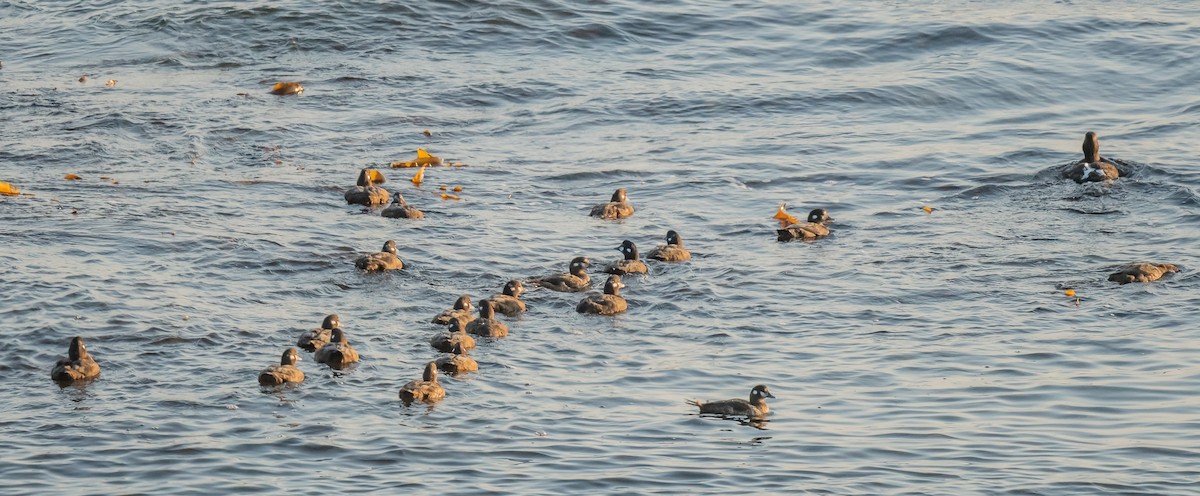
{"x": 909, "y": 352}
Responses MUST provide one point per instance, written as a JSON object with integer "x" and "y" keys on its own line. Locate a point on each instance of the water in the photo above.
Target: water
{"x": 909, "y": 352}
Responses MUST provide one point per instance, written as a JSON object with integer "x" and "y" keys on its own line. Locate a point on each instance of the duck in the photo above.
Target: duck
{"x": 813, "y": 229}
{"x": 400, "y": 209}
{"x": 78, "y": 366}
{"x": 386, "y": 259}
{"x": 366, "y": 192}
{"x": 313, "y": 340}
{"x": 1142, "y": 272}
{"x": 427, "y": 389}
{"x": 628, "y": 265}
{"x": 285, "y": 372}
{"x": 1093, "y": 167}
{"x": 609, "y": 303}
{"x": 338, "y": 354}
{"x": 756, "y": 407}
{"x": 455, "y": 337}
{"x": 287, "y": 88}
{"x": 460, "y": 312}
{"x": 616, "y": 208}
{"x": 573, "y": 282}
{"x": 509, "y": 301}
{"x": 673, "y": 251}
{"x": 457, "y": 362}
{"x": 486, "y": 324}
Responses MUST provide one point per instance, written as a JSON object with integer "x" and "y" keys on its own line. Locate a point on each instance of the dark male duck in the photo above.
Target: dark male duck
{"x": 509, "y": 301}
{"x": 616, "y": 208}
{"x": 1142, "y": 272}
{"x": 283, "y": 373}
{"x": 387, "y": 259}
{"x": 400, "y": 209}
{"x": 813, "y": 229}
{"x": 78, "y": 366}
{"x": 366, "y": 192}
{"x": 338, "y": 354}
{"x": 426, "y": 389}
{"x": 313, "y": 340}
{"x": 756, "y": 407}
{"x": 609, "y": 303}
{"x": 1093, "y": 167}
{"x": 631, "y": 264}
{"x": 573, "y": 282}
{"x": 486, "y": 324}
{"x": 673, "y": 251}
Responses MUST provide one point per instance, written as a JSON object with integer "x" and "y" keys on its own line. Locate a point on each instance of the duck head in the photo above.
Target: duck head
{"x": 430, "y": 374}
{"x": 456, "y": 326}
{"x": 331, "y": 321}
{"x": 463, "y": 303}
{"x": 338, "y": 336}
{"x": 77, "y": 350}
{"x": 514, "y": 288}
{"x": 579, "y": 266}
{"x": 486, "y": 310}
{"x": 1091, "y": 148}
{"x": 364, "y": 178}
{"x": 390, "y": 247}
{"x": 819, "y": 216}
{"x": 759, "y": 393}
{"x": 629, "y": 249}
{"x": 398, "y": 200}
{"x": 290, "y": 357}
{"x": 613, "y": 285}
{"x": 674, "y": 239}
{"x": 619, "y": 196}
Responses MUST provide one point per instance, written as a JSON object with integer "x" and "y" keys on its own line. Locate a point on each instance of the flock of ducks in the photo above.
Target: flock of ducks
{"x": 330, "y": 346}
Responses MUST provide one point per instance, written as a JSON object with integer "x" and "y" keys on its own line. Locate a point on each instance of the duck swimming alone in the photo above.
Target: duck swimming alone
{"x": 387, "y": 259}
{"x": 400, "y": 209}
{"x": 427, "y": 389}
{"x": 756, "y": 407}
{"x": 455, "y": 337}
{"x": 283, "y": 373}
{"x": 509, "y": 302}
{"x": 609, "y": 303}
{"x": 313, "y": 340}
{"x": 338, "y": 354}
{"x": 616, "y": 208}
{"x": 673, "y": 251}
{"x": 1142, "y": 272}
{"x": 366, "y": 192}
{"x": 461, "y": 311}
{"x": 575, "y": 281}
{"x": 631, "y": 264}
{"x": 457, "y": 363}
{"x": 1093, "y": 167}
{"x": 486, "y": 324}
{"x": 813, "y": 229}
{"x": 78, "y": 366}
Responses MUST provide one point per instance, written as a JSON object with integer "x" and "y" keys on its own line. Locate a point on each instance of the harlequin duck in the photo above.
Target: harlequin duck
{"x": 387, "y": 259}
{"x": 616, "y": 208}
{"x": 366, "y": 192}
{"x": 1093, "y": 167}
{"x": 813, "y": 229}
{"x": 456, "y": 336}
{"x": 78, "y": 365}
{"x": 461, "y": 312}
{"x": 313, "y": 340}
{"x": 338, "y": 354}
{"x": 486, "y": 324}
{"x": 509, "y": 302}
{"x": 673, "y": 251}
{"x": 400, "y": 209}
{"x": 457, "y": 362}
{"x": 756, "y": 407}
{"x": 283, "y": 373}
{"x": 427, "y": 389}
{"x": 1142, "y": 272}
{"x": 631, "y": 264}
{"x": 609, "y": 303}
{"x": 577, "y": 280}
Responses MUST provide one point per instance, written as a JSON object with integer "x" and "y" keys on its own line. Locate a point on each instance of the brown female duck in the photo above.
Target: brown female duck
{"x": 461, "y": 311}
{"x": 609, "y": 303}
{"x": 457, "y": 362}
{"x": 387, "y": 259}
{"x": 313, "y": 340}
{"x": 673, "y": 251}
{"x": 509, "y": 302}
{"x": 1142, "y": 272}
{"x": 575, "y": 281}
{"x": 631, "y": 264}
{"x": 813, "y": 229}
{"x": 1093, "y": 167}
{"x": 756, "y": 407}
{"x": 427, "y": 389}
{"x": 338, "y": 354}
{"x": 366, "y": 192}
{"x": 78, "y": 366}
{"x": 616, "y": 208}
{"x": 486, "y": 324}
{"x": 283, "y": 373}
{"x": 400, "y": 209}
{"x": 455, "y": 337}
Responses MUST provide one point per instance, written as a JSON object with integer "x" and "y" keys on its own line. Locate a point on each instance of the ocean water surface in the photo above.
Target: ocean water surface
{"x": 910, "y": 352}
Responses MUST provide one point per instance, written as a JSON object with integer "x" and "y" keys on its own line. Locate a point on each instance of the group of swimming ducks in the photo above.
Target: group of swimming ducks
{"x": 330, "y": 345}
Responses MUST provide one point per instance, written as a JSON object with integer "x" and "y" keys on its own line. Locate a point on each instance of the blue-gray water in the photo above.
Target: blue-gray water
{"x": 909, "y": 352}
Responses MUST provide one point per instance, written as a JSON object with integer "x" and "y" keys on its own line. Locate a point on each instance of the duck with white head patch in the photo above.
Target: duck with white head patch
{"x": 609, "y": 303}
{"x": 1093, "y": 167}
{"x": 386, "y": 259}
{"x": 756, "y": 407}
{"x": 486, "y": 324}
{"x": 573, "y": 282}
{"x": 616, "y": 208}
{"x": 365, "y": 192}
{"x": 461, "y": 311}
{"x": 673, "y": 251}
{"x": 509, "y": 301}
{"x": 813, "y": 229}
{"x": 78, "y": 366}
{"x": 400, "y": 209}
{"x": 285, "y": 372}
{"x": 631, "y": 264}
{"x": 314, "y": 339}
